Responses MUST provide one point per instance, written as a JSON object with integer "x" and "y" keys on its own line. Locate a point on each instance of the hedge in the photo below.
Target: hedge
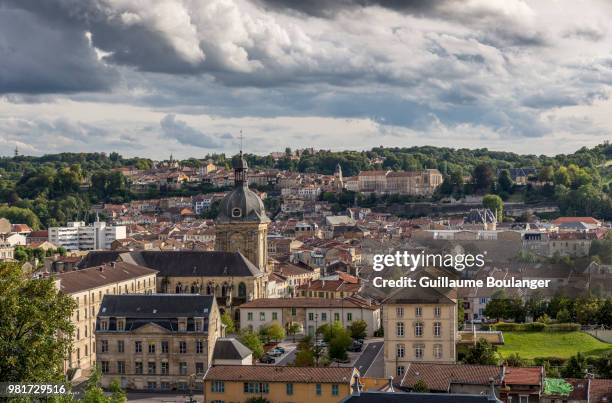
{"x": 536, "y": 327}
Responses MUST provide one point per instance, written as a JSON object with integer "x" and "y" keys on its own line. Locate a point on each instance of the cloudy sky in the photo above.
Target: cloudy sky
{"x": 151, "y": 78}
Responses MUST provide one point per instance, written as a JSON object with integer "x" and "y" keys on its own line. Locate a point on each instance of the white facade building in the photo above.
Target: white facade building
{"x": 78, "y": 236}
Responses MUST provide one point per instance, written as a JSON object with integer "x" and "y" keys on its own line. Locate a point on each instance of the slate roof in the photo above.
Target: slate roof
{"x": 439, "y": 377}
{"x": 230, "y": 349}
{"x": 260, "y": 373}
{"x": 181, "y": 263}
{"x": 93, "y": 277}
{"x": 156, "y": 305}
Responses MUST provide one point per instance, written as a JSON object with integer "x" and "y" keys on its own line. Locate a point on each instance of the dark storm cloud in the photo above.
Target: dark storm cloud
{"x": 326, "y": 8}
{"x": 36, "y": 58}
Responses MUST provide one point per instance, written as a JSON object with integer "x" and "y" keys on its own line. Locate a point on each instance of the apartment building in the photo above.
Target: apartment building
{"x": 157, "y": 341}
{"x": 6, "y": 250}
{"x": 310, "y": 313}
{"x": 78, "y": 236}
{"x": 420, "y": 326}
{"x": 87, "y": 287}
{"x": 278, "y": 384}
{"x": 415, "y": 183}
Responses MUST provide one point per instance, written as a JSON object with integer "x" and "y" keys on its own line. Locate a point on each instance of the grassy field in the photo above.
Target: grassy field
{"x": 548, "y": 344}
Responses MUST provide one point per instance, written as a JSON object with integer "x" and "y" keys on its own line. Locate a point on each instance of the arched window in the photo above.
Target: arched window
{"x": 242, "y": 290}
{"x": 224, "y": 289}
{"x": 209, "y": 289}
{"x": 178, "y": 289}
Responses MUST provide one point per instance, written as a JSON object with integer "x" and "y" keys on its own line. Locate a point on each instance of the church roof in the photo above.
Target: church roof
{"x": 240, "y": 205}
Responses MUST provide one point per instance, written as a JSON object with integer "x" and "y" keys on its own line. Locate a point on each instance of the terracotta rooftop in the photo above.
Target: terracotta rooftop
{"x": 262, "y": 373}
{"x": 600, "y": 390}
{"x": 86, "y": 279}
{"x": 523, "y": 376}
{"x": 309, "y": 303}
{"x": 588, "y": 220}
{"x": 439, "y": 377}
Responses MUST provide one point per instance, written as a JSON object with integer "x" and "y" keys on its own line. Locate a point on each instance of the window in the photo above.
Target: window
{"x": 483, "y": 300}
{"x": 437, "y": 311}
{"x": 199, "y": 368}
{"x": 236, "y": 212}
{"x": 399, "y": 329}
{"x": 138, "y": 367}
{"x": 165, "y": 385}
{"x": 437, "y": 351}
{"x": 218, "y": 386}
{"x": 418, "y": 351}
{"x": 151, "y": 348}
{"x": 399, "y": 371}
{"x": 104, "y": 367}
{"x": 437, "y": 329}
{"x": 120, "y": 325}
{"x": 336, "y": 317}
{"x": 523, "y": 399}
{"x": 256, "y": 387}
{"x": 310, "y": 316}
{"x": 289, "y": 389}
{"x": 349, "y": 316}
{"x": 151, "y": 385}
{"x": 121, "y": 367}
{"x": 183, "y": 368}
{"x": 104, "y": 346}
{"x": 418, "y": 311}
{"x": 399, "y": 312}
{"x": 165, "y": 368}
{"x": 151, "y": 368}
{"x": 418, "y": 329}
{"x": 262, "y": 316}
{"x": 400, "y": 351}
{"x": 164, "y": 346}
{"x": 250, "y": 316}
{"x": 293, "y": 311}
{"x": 199, "y": 346}
{"x": 120, "y": 346}
{"x": 318, "y": 389}
{"x": 335, "y": 390}
{"x": 274, "y": 315}
{"x": 182, "y": 347}
{"x": 138, "y": 346}
{"x": 324, "y": 317}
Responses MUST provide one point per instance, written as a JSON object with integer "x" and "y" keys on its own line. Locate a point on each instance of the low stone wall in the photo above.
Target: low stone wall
{"x": 604, "y": 335}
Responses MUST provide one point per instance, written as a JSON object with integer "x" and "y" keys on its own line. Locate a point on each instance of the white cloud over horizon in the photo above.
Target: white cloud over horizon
{"x": 185, "y": 76}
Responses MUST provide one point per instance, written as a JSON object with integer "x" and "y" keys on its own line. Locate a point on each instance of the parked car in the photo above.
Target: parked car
{"x": 266, "y": 359}
{"x": 356, "y": 347}
{"x": 320, "y": 343}
{"x": 275, "y": 352}
{"x": 279, "y": 348}
{"x": 343, "y": 361}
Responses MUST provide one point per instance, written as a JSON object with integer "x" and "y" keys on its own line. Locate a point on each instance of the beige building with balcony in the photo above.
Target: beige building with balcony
{"x": 156, "y": 342}
{"x": 420, "y": 326}
{"x": 87, "y": 287}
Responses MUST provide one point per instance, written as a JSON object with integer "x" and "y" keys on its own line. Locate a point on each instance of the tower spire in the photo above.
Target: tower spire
{"x": 241, "y": 141}
{"x": 16, "y": 151}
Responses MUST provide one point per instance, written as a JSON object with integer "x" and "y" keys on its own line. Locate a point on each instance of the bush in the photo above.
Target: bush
{"x": 553, "y": 361}
{"x": 506, "y": 327}
{"x": 563, "y": 327}
{"x": 534, "y": 327}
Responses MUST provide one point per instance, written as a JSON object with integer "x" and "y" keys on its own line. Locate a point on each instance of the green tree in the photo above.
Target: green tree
{"x": 35, "y": 327}
{"x": 338, "y": 346}
{"x": 564, "y": 316}
{"x": 483, "y": 177}
{"x": 575, "y": 367}
{"x": 17, "y": 215}
{"x": 483, "y": 353}
{"x": 251, "y": 340}
{"x": 93, "y": 391}
{"x": 495, "y": 204}
{"x": 328, "y": 331}
{"x": 420, "y": 387}
{"x": 274, "y": 331}
{"x": 505, "y": 181}
{"x": 358, "y": 329}
{"x": 515, "y": 360}
{"x": 293, "y": 328}
{"x": 117, "y": 394}
{"x": 304, "y": 358}
{"x": 226, "y": 319}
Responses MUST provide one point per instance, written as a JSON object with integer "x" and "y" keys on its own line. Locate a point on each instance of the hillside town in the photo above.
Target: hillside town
{"x": 263, "y": 288}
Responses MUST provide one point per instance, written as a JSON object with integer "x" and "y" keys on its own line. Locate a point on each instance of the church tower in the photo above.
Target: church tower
{"x": 242, "y": 224}
{"x": 339, "y": 181}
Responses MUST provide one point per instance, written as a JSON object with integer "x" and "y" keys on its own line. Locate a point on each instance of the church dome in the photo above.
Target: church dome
{"x": 242, "y": 204}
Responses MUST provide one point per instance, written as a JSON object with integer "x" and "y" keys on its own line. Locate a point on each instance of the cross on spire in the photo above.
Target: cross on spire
{"x": 241, "y": 140}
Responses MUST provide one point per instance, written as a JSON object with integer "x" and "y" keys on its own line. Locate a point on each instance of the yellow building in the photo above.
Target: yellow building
{"x": 278, "y": 384}
{"x": 87, "y": 287}
{"x": 156, "y": 342}
{"x": 420, "y": 326}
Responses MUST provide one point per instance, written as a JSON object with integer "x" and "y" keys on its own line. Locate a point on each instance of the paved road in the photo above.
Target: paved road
{"x": 287, "y": 359}
{"x": 368, "y": 356}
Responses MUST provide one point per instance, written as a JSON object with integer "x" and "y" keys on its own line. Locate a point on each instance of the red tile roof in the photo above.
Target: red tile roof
{"x": 439, "y": 377}
{"x": 523, "y": 376}
{"x": 600, "y": 390}
{"x": 309, "y": 303}
{"x": 98, "y": 276}
{"x": 262, "y": 373}
{"x": 588, "y": 220}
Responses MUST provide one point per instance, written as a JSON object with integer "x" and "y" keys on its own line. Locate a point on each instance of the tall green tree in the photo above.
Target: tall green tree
{"x": 483, "y": 353}
{"x": 252, "y": 341}
{"x": 35, "y": 327}
{"x": 495, "y": 204}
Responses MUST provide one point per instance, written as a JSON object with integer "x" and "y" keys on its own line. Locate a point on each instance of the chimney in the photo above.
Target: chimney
{"x": 356, "y": 388}
{"x": 113, "y": 264}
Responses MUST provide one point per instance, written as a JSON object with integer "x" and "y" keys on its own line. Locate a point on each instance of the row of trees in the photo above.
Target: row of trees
{"x": 587, "y": 310}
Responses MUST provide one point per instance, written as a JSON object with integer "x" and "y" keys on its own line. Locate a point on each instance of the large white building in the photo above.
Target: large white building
{"x": 78, "y": 236}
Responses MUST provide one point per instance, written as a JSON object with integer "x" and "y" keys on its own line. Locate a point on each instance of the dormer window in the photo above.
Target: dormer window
{"x": 236, "y": 212}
